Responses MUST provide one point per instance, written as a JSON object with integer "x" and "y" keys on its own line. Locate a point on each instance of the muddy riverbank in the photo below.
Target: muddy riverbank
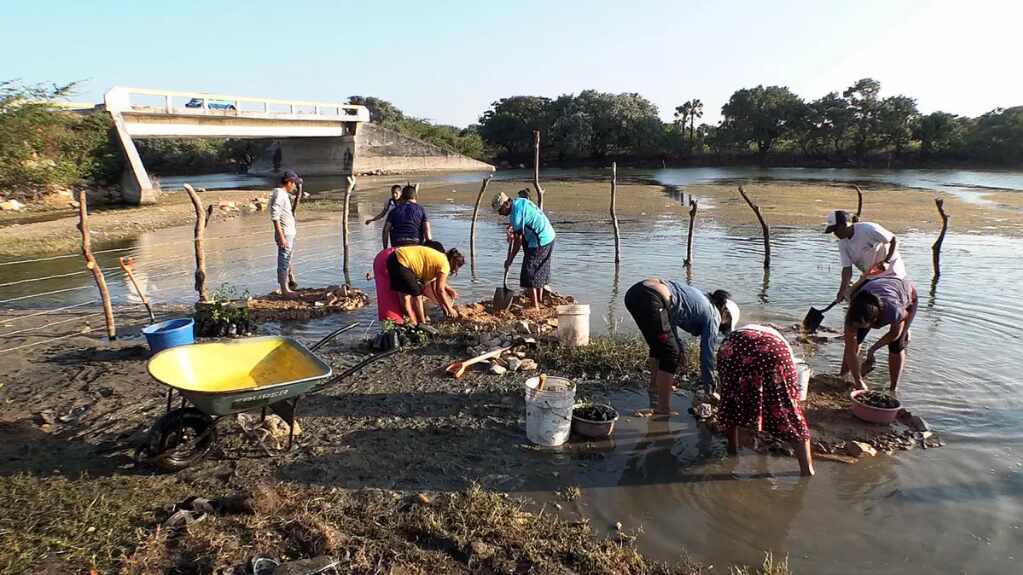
{"x": 398, "y": 468}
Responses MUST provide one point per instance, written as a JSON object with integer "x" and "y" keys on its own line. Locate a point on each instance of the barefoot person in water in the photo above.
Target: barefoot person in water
{"x": 759, "y": 389}
{"x": 888, "y": 301}
{"x": 660, "y": 308}
{"x": 531, "y": 231}
{"x": 285, "y": 230}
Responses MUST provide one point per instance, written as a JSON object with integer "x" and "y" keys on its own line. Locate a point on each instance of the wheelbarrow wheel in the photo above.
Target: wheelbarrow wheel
{"x": 180, "y": 438}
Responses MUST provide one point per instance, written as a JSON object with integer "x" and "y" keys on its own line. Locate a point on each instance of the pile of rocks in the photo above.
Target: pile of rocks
{"x": 516, "y": 359}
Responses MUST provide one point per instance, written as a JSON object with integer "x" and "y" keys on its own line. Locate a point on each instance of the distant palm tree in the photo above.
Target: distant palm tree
{"x": 695, "y": 111}
{"x": 682, "y": 115}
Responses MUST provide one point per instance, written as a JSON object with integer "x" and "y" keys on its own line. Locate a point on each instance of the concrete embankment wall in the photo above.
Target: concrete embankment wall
{"x": 374, "y": 150}
{"x": 384, "y": 151}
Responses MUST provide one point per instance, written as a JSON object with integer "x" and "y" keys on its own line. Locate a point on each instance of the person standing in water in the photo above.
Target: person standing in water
{"x": 530, "y": 229}
{"x": 760, "y": 390}
{"x": 868, "y": 246}
{"x": 660, "y": 308}
{"x": 392, "y": 202}
{"x": 283, "y": 220}
{"x": 887, "y": 301}
{"x": 407, "y": 224}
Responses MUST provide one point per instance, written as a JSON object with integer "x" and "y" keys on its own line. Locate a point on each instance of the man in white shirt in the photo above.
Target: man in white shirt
{"x": 868, "y": 246}
{"x": 283, "y": 220}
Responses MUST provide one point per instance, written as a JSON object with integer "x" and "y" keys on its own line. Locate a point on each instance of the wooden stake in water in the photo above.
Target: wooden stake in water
{"x": 614, "y": 215}
{"x": 200, "y": 252}
{"x": 91, "y": 265}
{"x": 472, "y": 227}
{"x": 536, "y": 168}
{"x": 688, "y": 263}
{"x": 859, "y": 204}
{"x": 936, "y": 248}
{"x": 344, "y": 228}
{"x": 763, "y": 225}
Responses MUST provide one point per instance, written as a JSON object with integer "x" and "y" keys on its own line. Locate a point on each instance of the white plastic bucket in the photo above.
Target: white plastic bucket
{"x": 574, "y": 324}
{"x": 805, "y": 373}
{"x": 549, "y": 412}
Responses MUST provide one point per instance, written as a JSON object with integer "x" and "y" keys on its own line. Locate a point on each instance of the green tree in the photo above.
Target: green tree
{"x": 938, "y": 132}
{"x": 895, "y": 119}
{"x": 865, "y": 108}
{"x": 509, "y": 123}
{"x": 761, "y": 116}
{"x": 380, "y": 111}
{"x": 695, "y": 113}
{"x": 997, "y": 137}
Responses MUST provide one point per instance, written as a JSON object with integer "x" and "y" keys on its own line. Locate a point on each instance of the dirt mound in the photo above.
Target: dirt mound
{"x": 481, "y": 316}
{"x": 307, "y": 303}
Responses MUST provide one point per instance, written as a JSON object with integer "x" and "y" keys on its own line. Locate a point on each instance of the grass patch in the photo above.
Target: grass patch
{"x": 77, "y": 523}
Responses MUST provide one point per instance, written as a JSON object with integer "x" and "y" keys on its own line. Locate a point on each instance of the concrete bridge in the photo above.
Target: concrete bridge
{"x": 144, "y": 113}
{"x": 314, "y": 138}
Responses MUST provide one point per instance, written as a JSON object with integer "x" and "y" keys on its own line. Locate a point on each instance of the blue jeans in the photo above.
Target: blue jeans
{"x": 284, "y": 260}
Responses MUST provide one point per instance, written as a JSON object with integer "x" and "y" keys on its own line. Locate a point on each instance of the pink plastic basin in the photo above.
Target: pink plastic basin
{"x": 872, "y": 414}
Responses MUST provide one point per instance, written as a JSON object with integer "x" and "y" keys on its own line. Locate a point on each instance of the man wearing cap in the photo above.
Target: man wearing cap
{"x": 529, "y": 226}
{"x": 868, "y": 246}
{"x": 283, "y": 220}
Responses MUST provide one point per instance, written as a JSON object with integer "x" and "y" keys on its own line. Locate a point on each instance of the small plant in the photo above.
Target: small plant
{"x": 223, "y": 315}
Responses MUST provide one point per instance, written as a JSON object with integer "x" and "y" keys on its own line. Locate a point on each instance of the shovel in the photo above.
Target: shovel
{"x": 815, "y": 316}
{"x": 503, "y": 296}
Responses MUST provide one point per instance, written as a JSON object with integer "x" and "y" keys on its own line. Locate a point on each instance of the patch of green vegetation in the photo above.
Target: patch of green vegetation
{"x": 604, "y": 357}
{"x": 224, "y": 315}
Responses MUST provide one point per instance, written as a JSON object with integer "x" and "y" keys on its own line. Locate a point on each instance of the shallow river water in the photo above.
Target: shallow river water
{"x": 958, "y": 509}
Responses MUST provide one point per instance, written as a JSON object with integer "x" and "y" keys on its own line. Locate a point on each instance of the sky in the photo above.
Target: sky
{"x": 447, "y": 61}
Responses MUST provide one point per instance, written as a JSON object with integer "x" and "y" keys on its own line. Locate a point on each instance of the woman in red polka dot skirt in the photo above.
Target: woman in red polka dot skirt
{"x": 760, "y": 390}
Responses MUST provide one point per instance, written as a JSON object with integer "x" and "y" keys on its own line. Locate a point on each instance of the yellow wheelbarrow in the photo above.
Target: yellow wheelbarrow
{"x": 225, "y": 378}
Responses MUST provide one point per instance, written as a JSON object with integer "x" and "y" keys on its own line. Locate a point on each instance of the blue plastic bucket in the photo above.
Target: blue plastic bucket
{"x": 170, "y": 333}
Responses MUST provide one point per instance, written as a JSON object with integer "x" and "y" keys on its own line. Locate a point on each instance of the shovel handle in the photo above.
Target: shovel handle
{"x": 830, "y": 305}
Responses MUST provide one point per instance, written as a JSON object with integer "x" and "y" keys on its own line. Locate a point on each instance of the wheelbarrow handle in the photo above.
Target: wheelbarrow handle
{"x": 830, "y": 305}
{"x": 348, "y": 372}
{"x": 333, "y": 335}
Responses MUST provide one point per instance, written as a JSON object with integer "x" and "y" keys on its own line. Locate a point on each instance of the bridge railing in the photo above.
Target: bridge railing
{"x": 120, "y": 99}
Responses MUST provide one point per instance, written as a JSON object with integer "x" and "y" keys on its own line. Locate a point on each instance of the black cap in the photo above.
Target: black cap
{"x": 837, "y": 219}
{"x": 290, "y": 176}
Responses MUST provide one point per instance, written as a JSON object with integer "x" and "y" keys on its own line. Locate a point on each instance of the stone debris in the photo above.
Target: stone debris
{"x": 11, "y": 206}
{"x": 498, "y": 369}
{"x": 308, "y": 303}
{"x": 529, "y": 365}
{"x": 860, "y": 449}
{"x": 514, "y": 363}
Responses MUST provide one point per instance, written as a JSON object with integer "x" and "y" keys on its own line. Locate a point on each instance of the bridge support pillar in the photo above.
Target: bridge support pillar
{"x": 136, "y": 187}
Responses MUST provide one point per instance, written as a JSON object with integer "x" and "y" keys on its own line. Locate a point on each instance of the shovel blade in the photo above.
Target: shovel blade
{"x": 503, "y": 298}
{"x": 813, "y": 320}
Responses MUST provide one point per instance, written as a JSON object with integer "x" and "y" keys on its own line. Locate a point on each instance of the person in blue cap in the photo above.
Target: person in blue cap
{"x": 283, "y": 219}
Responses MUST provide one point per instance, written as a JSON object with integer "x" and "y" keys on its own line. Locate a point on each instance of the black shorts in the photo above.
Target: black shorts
{"x": 650, "y": 312}
{"x": 403, "y": 280}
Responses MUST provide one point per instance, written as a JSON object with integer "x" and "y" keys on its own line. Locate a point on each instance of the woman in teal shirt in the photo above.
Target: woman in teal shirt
{"x": 532, "y": 229}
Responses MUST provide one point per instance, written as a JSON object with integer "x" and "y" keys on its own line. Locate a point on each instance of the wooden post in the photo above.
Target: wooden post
{"x": 128, "y": 265}
{"x": 200, "y": 252}
{"x": 344, "y": 227}
{"x": 536, "y": 168}
{"x": 936, "y": 248}
{"x": 91, "y": 265}
{"x": 614, "y": 215}
{"x": 688, "y": 263}
{"x": 763, "y": 224}
{"x": 859, "y": 204}
{"x": 472, "y": 227}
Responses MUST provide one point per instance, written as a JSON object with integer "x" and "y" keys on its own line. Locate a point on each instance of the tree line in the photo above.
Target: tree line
{"x": 763, "y": 124}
